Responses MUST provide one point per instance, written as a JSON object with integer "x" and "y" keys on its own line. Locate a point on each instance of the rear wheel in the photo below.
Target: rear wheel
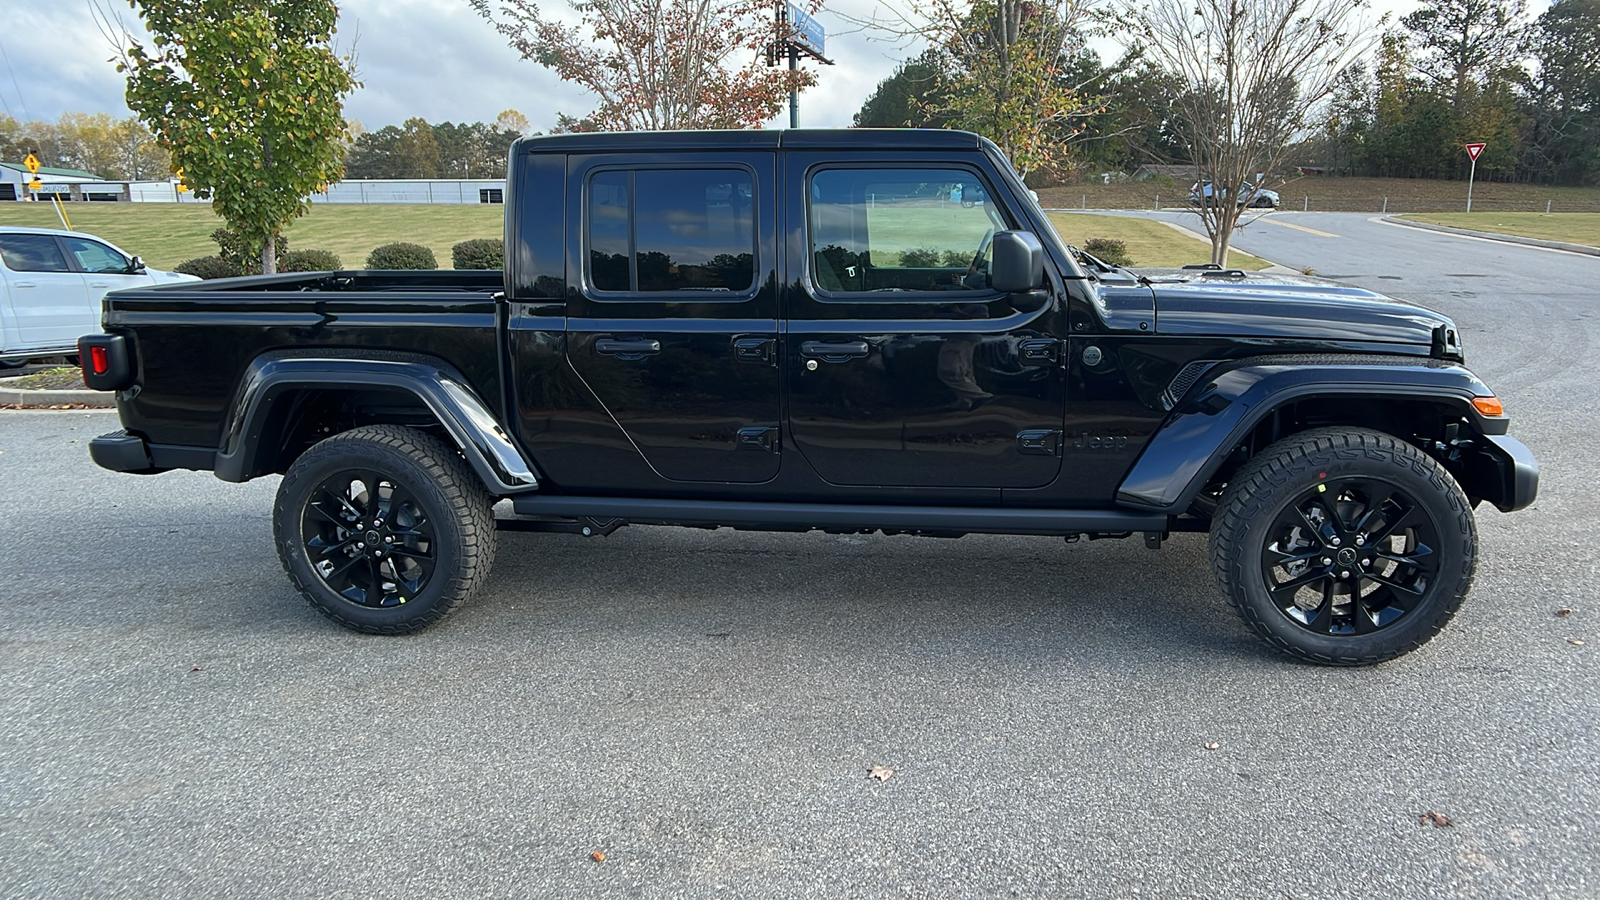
{"x": 383, "y": 529}
{"x": 1344, "y": 547}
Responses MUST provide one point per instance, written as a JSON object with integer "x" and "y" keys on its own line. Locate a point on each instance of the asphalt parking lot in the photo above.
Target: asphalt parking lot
{"x": 703, "y": 708}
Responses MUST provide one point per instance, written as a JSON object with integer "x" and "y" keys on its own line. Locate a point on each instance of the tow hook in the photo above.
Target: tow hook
{"x": 1153, "y": 539}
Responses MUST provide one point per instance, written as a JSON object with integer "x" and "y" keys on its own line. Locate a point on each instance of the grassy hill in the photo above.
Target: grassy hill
{"x": 165, "y": 234}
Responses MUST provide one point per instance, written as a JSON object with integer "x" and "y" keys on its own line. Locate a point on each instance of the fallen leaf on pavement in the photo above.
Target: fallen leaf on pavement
{"x": 1436, "y": 819}
{"x": 1213, "y": 746}
{"x": 882, "y": 773}
{"x": 1563, "y": 612}
{"x": 597, "y": 856}
{"x": 1575, "y": 642}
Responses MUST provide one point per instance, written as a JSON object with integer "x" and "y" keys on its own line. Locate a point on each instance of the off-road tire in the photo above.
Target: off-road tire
{"x": 438, "y": 489}
{"x": 1296, "y": 473}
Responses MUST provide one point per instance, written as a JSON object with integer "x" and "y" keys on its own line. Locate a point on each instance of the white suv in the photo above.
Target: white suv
{"x": 51, "y": 285}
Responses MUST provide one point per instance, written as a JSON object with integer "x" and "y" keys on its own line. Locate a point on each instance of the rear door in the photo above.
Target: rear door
{"x": 672, "y": 321}
{"x": 49, "y": 301}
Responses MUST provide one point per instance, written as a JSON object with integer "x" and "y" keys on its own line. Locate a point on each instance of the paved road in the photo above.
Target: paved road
{"x": 703, "y": 707}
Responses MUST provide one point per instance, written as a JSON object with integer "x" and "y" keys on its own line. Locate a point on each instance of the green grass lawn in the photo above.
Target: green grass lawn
{"x": 1573, "y": 228}
{"x": 1150, "y": 243}
{"x": 165, "y": 234}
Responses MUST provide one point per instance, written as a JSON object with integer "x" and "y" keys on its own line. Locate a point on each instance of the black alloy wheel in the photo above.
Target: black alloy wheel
{"x": 369, "y": 539}
{"x": 1344, "y": 547}
{"x": 384, "y": 529}
{"x": 1351, "y": 556}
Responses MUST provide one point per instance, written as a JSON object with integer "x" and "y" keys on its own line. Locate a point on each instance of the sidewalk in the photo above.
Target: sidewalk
{"x": 46, "y": 399}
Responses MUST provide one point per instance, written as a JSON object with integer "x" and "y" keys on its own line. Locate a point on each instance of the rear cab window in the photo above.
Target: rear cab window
{"x": 671, "y": 232}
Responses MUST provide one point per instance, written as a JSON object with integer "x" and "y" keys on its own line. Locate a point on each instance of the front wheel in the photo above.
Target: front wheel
{"x": 383, "y": 529}
{"x": 1344, "y": 548}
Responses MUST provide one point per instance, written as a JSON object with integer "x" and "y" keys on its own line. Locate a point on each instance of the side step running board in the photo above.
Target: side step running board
{"x": 804, "y": 516}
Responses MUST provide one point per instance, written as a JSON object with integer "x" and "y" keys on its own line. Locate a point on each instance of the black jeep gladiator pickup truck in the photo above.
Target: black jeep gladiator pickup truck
{"x": 851, "y": 331}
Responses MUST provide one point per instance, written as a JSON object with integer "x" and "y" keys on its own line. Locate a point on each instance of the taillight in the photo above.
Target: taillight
{"x": 106, "y": 361}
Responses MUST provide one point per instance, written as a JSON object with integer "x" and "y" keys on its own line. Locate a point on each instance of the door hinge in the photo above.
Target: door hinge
{"x": 755, "y": 350}
{"x": 1040, "y": 350}
{"x": 1039, "y": 442}
{"x": 764, "y": 438}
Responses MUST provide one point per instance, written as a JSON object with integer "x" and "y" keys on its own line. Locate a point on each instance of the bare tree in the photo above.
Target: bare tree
{"x": 1252, "y": 73}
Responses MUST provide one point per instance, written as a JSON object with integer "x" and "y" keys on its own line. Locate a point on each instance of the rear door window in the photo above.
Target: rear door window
{"x": 32, "y": 253}
{"x": 671, "y": 231}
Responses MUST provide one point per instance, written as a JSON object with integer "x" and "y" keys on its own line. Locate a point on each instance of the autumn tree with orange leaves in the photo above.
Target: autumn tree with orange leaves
{"x": 656, "y": 64}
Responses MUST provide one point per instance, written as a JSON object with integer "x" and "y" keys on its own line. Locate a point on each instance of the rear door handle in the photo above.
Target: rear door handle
{"x": 831, "y": 351}
{"x": 23, "y": 284}
{"x": 632, "y": 348}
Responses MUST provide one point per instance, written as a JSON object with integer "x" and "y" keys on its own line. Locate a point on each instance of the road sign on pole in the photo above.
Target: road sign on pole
{"x": 32, "y": 162}
{"x": 1472, "y": 152}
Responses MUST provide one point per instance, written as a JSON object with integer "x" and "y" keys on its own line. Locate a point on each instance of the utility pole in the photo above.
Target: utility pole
{"x": 797, "y": 33}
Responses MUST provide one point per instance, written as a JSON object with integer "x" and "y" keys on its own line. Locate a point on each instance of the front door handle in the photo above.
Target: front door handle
{"x": 830, "y": 351}
{"x": 630, "y": 348}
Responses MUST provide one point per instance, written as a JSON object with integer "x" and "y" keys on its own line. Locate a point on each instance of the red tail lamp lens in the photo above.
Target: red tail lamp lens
{"x": 98, "y": 360}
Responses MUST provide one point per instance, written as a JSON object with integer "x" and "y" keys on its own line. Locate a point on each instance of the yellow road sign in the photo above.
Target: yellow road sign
{"x": 32, "y": 162}
{"x": 35, "y": 184}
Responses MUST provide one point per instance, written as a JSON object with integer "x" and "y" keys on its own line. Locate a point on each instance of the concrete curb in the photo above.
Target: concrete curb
{"x": 34, "y": 399}
{"x": 1496, "y": 236}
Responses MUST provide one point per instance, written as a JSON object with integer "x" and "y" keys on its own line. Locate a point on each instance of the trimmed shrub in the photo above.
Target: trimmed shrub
{"x": 402, "y": 255}
{"x": 1112, "y": 251}
{"x": 920, "y": 258}
{"x": 207, "y": 267}
{"x": 309, "y": 261}
{"x": 245, "y": 258}
{"x": 479, "y": 253}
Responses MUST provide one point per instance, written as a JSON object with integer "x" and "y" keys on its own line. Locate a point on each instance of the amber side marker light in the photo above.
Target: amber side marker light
{"x": 1489, "y": 406}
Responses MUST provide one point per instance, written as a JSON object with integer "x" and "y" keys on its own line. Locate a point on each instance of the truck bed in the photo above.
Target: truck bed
{"x": 191, "y": 342}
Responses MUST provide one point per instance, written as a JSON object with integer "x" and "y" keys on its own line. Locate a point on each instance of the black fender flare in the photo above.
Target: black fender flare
{"x": 476, "y": 433}
{"x": 1221, "y": 409}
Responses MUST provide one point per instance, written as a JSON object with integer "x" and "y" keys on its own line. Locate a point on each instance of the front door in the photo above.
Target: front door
{"x": 673, "y": 324}
{"x": 105, "y": 270}
{"x": 905, "y": 367}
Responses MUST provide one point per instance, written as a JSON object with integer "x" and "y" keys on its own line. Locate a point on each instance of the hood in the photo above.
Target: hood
{"x": 1286, "y": 306}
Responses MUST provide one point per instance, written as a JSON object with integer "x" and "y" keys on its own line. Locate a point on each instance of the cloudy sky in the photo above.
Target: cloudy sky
{"x": 431, "y": 58}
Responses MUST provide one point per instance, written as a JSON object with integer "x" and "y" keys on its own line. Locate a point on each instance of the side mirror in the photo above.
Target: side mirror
{"x": 136, "y": 266}
{"x": 1018, "y": 262}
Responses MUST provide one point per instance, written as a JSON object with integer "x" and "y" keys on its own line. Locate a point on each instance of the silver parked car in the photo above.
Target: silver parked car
{"x": 1202, "y": 194}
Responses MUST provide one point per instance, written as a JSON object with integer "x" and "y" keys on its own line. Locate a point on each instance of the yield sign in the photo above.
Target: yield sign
{"x": 1473, "y": 150}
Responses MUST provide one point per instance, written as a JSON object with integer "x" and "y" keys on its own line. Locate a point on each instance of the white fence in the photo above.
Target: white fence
{"x": 453, "y": 191}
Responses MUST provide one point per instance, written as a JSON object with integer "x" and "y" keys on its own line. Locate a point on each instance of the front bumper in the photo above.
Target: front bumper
{"x": 1505, "y": 472}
